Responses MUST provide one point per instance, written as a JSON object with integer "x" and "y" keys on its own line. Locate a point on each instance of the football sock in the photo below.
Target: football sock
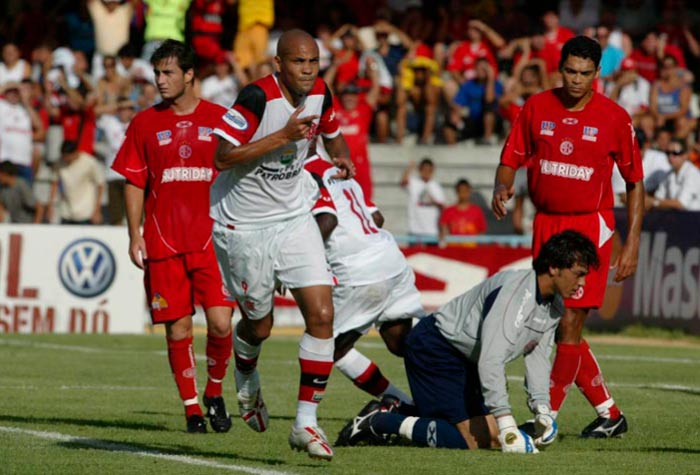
{"x": 591, "y": 383}
{"x": 564, "y": 370}
{"x": 218, "y": 356}
{"x": 316, "y": 361}
{"x": 367, "y": 376}
{"x": 422, "y": 431}
{"x": 246, "y": 356}
{"x": 182, "y": 364}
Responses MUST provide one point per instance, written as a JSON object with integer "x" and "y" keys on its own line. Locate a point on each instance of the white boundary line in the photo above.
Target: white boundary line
{"x": 662, "y": 386}
{"x": 116, "y": 447}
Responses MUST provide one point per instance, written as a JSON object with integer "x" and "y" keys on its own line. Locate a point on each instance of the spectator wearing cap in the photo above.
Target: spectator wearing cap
{"x": 113, "y": 127}
{"x": 681, "y": 188}
{"x": 19, "y": 124}
{"x": 13, "y": 68}
{"x": 17, "y": 202}
{"x": 79, "y": 186}
{"x": 420, "y": 84}
{"x": 354, "y": 108}
{"x": 629, "y": 89}
{"x": 426, "y": 199}
{"x": 464, "y": 218}
{"x": 223, "y": 86}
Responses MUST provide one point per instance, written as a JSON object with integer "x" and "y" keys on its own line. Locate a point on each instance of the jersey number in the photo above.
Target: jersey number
{"x": 358, "y": 210}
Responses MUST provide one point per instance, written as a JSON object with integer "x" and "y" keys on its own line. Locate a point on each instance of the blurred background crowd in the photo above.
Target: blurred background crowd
{"x": 74, "y": 72}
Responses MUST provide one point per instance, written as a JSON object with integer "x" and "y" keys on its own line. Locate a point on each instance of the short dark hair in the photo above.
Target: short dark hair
{"x": 69, "y": 146}
{"x": 9, "y": 168}
{"x": 462, "y": 181}
{"x": 581, "y": 47}
{"x": 426, "y": 161}
{"x": 127, "y": 51}
{"x": 565, "y": 249}
{"x": 184, "y": 53}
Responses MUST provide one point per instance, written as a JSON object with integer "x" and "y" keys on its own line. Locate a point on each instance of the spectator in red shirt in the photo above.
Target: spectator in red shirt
{"x": 651, "y": 51}
{"x": 348, "y": 56}
{"x": 554, "y": 38}
{"x": 464, "y": 218}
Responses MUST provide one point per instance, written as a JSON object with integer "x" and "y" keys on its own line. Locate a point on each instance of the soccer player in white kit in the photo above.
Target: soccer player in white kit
{"x": 264, "y": 232}
{"x": 375, "y": 283}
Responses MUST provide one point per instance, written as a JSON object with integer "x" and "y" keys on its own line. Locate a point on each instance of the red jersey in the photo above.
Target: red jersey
{"x": 465, "y": 56}
{"x": 206, "y": 16}
{"x": 648, "y": 64}
{"x": 354, "y": 125}
{"x": 464, "y": 222}
{"x": 570, "y": 155}
{"x": 553, "y": 44}
{"x": 79, "y": 126}
{"x": 172, "y": 158}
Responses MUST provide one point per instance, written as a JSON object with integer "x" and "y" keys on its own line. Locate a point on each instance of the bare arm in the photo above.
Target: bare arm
{"x": 372, "y": 96}
{"x": 378, "y": 218}
{"x": 407, "y": 173}
{"x": 228, "y": 155}
{"x": 626, "y": 262}
{"x": 492, "y": 35}
{"x": 692, "y": 43}
{"x": 134, "y": 199}
{"x": 339, "y": 152}
{"x": 503, "y": 190}
{"x": 96, "y": 217}
{"x": 327, "y": 222}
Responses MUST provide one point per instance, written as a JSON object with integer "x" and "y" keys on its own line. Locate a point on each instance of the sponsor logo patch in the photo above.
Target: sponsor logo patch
{"x": 164, "y": 137}
{"x": 183, "y": 124}
{"x": 547, "y": 127}
{"x": 204, "y": 133}
{"x": 589, "y": 133}
{"x": 87, "y": 268}
{"x": 235, "y": 119}
{"x": 570, "y": 121}
{"x": 566, "y": 170}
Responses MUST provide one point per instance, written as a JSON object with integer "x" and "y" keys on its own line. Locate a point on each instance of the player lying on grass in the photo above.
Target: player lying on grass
{"x": 455, "y": 359}
{"x": 375, "y": 283}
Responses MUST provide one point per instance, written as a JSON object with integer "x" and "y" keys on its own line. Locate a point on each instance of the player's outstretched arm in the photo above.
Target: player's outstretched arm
{"x": 626, "y": 262}
{"x": 134, "y": 197}
{"x": 327, "y": 222}
{"x": 229, "y": 155}
{"x": 503, "y": 190}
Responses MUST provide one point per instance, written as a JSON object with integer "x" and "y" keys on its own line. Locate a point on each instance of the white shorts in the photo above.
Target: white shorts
{"x": 357, "y": 308}
{"x": 253, "y": 261}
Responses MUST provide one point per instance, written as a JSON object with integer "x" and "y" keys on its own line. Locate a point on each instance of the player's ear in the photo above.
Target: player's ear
{"x": 189, "y": 76}
{"x": 278, "y": 63}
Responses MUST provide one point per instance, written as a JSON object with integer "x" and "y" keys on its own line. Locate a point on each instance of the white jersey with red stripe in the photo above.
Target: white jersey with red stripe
{"x": 358, "y": 251}
{"x": 268, "y": 189}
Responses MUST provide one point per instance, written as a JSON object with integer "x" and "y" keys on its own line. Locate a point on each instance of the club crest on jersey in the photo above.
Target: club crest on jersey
{"x": 566, "y": 147}
{"x": 288, "y": 156}
{"x": 547, "y": 127}
{"x": 589, "y": 133}
{"x": 185, "y": 151}
{"x": 164, "y": 137}
{"x": 578, "y": 294}
{"x": 235, "y": 119}
{"x": 570, "y": 121}
{"x": 158, "y": 302}
{"x": 204, "y": 133}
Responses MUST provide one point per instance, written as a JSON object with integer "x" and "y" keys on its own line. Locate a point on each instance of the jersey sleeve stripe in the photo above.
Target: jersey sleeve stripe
{"x": 324, "y": 209}
{"x": 333, "y": 134}
{"x": 227, "y": 137}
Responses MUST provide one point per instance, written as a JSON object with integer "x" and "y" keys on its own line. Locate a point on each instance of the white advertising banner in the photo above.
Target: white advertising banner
{"x": 69, "y": 279}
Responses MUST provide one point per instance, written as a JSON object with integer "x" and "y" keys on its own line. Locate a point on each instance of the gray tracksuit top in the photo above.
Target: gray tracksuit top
{"x": 497, "y": 321}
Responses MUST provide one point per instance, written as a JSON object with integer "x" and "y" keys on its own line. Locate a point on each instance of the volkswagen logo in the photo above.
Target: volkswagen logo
{"x": 87, "y": 268}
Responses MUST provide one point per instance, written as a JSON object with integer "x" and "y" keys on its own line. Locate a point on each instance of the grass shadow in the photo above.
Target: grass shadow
{"x": 85, "y": 422}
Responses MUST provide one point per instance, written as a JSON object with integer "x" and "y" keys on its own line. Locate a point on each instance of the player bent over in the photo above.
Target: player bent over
{"x": 168, "y": 161}
{"x": 375, "y": 283}
{"x": 455, "y": 359}
{"x": 264, "y": 232}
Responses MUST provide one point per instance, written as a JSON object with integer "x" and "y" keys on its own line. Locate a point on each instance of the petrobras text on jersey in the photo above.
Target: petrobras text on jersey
{"x": 187, "y": 174}
{"x": 566, "y": 170}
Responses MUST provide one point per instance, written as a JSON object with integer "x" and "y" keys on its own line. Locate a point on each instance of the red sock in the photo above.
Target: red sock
{"x": 590, "y": 382}
{"x": 182, "y": 364}
{"x": 372, "y": 381}
{"x": 218, "y": 356}
{"x": 564, "y": 370}
{"x": 313, "y": 380}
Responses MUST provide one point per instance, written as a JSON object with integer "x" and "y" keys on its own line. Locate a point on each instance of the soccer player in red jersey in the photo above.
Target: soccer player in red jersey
{"x": 168, "y": 161}
{"x": 569, "y": 138}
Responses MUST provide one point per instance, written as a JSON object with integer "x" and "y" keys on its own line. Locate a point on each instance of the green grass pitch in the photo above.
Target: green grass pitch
{"x": 108, "y": 404}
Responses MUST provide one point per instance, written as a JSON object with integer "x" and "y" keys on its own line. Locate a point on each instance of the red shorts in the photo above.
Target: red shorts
{"x": 173, "y": 285}
{"x": 599, "y": 228}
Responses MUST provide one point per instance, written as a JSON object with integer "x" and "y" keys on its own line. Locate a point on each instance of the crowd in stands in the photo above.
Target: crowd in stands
{"x": 74, "y": 73}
